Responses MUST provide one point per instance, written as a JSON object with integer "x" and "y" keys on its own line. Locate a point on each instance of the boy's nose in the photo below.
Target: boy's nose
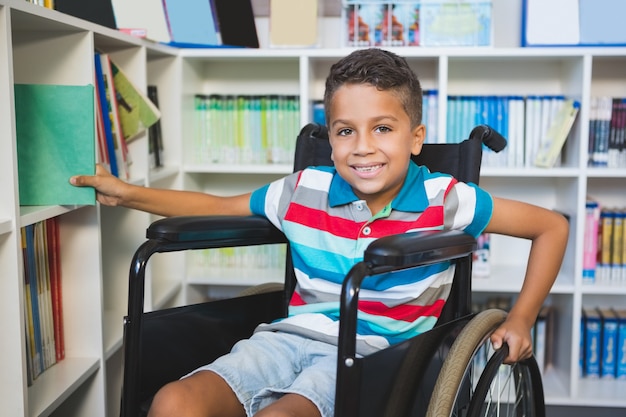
{"x": 364, "y": 144}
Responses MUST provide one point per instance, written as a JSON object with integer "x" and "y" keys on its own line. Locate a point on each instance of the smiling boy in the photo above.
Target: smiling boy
{"x": 329, "y": 215}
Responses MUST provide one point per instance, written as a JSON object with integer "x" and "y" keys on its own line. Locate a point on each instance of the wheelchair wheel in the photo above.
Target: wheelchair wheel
{"x": 474, "y": 382}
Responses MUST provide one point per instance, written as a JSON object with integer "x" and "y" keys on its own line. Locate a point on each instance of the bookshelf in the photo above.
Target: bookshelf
{"x": 43, "y": 46}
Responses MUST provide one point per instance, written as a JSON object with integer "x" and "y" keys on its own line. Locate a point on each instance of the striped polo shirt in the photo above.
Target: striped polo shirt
{"x": 329, "y": 228}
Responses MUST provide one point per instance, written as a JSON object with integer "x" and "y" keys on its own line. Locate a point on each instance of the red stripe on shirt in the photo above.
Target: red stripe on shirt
{"x": 405, "y": 312}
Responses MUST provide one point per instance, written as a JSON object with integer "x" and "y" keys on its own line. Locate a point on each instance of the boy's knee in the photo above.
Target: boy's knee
{"x": 170, "y": 400}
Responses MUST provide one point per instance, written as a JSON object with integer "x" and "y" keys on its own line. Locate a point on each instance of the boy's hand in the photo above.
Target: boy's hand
{"x": 109, "y": 189}
{"x": 516, "y": 334}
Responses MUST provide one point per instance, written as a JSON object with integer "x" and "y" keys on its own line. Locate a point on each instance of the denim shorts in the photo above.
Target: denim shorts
{"x": 268, "y": 365}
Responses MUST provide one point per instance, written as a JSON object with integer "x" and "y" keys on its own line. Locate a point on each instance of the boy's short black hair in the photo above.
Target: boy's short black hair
{"x": 384, "y": 70}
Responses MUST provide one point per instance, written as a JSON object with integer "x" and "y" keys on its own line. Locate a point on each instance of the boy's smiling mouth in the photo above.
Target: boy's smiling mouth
{"x": 367, "y": 169}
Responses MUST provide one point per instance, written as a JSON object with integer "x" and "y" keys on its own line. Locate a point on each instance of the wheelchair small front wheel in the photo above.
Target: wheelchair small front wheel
{"x": 474, "y": 382}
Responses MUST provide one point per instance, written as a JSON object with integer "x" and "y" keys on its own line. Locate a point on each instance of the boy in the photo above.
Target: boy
{"x": 373, "y": 101}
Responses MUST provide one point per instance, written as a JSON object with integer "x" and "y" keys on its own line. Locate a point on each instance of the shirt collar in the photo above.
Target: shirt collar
{"x": 411, "y": 198}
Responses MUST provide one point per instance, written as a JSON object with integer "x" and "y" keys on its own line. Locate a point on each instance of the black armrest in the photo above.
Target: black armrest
{"x": 418, "y": 248}
{"x": 214, "y": 231}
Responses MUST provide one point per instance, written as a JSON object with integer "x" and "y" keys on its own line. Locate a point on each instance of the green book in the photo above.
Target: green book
{"x": 55, "y": 131}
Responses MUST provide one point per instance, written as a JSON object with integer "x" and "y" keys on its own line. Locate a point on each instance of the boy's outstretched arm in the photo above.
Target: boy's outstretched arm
{"x": 548, "y": 232}
{"x": 112, "y": 191}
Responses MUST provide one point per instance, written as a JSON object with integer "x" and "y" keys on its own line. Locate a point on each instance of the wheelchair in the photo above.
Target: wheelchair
{"x": 450, "y": 370}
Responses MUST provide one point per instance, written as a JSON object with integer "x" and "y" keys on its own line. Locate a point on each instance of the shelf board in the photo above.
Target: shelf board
{"x": 282, "y": 169}
{"x": 57, "y": 383}
{"x": 33, "y": 214}
{"x": 6, "y": 226}
{"x": 600, "y": 393}
{"x": 162, "y": 173}
{"x": 604, "y": 289}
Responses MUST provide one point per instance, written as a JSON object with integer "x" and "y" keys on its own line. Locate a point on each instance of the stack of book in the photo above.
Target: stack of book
{"x": 43, "y": 297}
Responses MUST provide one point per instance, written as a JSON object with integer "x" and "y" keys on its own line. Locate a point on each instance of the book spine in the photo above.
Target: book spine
{"x": 609, "y": 344}
{"x": 590, "y": 249}
{"x": 620, "y": 371}
{"x": 592, "y": 344}
{"x": 604, "y": 266}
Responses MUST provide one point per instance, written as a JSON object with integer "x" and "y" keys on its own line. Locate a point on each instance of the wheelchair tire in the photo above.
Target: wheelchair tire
{"x": 462, "y": 374}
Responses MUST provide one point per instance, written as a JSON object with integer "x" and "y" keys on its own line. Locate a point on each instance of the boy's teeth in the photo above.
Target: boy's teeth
{"x": 367, "y": 169}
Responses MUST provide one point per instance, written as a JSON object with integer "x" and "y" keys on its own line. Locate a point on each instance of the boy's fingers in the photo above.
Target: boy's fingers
{"x": 80, "y": 180}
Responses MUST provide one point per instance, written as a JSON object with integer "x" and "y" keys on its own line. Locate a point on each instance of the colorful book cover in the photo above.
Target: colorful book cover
{"x": 136, "y": 111}
{"x": 550, "y": 147}
{"x": 55, "y": 131}
{"x": 104, "y": 118}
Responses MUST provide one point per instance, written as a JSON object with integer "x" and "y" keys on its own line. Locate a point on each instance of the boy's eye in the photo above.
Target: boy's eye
{"x": 344, "y": 132}
{"x": 383, "y": 129}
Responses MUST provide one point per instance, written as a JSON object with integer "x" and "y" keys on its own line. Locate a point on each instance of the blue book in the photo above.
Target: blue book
{"x": 593, "y": 343}
{"x": 620, "y": 370}
{"x": 31, "y": 270}
{"x": 609, "y": 343}
{"x": 191, "y": 22}
{"x": 104, "y": 113}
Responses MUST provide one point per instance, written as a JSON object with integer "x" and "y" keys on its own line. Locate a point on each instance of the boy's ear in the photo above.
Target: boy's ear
{"x": 418, "y": 135}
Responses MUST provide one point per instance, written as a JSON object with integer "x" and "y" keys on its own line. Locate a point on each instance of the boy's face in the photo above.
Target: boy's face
{"x": 372, "y": 141}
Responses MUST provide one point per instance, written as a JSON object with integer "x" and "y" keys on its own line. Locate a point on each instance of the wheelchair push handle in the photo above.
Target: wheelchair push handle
{"x": 490, "y": 137}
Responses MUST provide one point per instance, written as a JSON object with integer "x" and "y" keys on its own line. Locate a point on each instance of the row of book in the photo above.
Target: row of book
{"x": 43, "y": 296}
{"x": 417, "y": 23}
{"x": 603, "y": 343}
{"x": 123, "y": 113}
{"x": 536, "y": 127}
{"x": 604, "y": 257}
{"x": 607, "y": 132}
{"x": 246, "y": 128}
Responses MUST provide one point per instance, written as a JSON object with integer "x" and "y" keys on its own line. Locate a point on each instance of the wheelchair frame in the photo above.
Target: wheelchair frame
{"x": 425, "y": 355}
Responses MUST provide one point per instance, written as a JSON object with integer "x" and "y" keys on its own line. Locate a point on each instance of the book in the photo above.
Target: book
{"x": 147, "y": 15}
{"x": 592, "y": 335}
{"x": 136, "y": 111}
{"x": 105, "y": 132}
{"x": 293, "y": 23}
{"x": 191, "y": 21}
{"x": 235, "y": 23}
{"x": 620, "y": 369}
{"x": 550, "y": 147}
{"x": 55, "y": 140}
{"x": 56, "y": 287}
{"x": 96, "y": 11}
{"x": 590, "y": 247}
{"x": 155, "y": 138}
{"x": 543, "y": 337}
{"x": 608, "y": 364}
